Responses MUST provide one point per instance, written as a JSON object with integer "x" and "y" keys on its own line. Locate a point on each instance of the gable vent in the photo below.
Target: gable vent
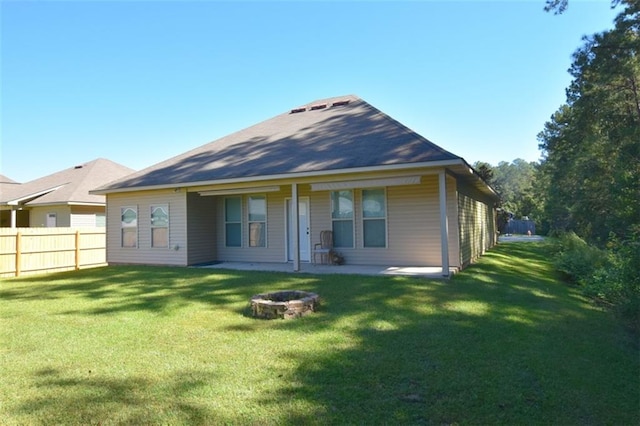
{"x": 316, "y": 107}
{"x": 340, "y": 103}
{"x": 297, "y": 110}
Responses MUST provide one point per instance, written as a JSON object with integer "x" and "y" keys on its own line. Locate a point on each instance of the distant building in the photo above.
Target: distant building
{"x": 59, "y": 199}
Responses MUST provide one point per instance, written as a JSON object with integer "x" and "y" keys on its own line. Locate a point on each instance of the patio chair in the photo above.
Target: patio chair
{"x": 324, "y": 247}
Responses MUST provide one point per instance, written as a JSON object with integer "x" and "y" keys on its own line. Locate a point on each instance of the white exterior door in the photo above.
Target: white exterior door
{"x": 303, "y": 230}
{"x": 51, "y": 220}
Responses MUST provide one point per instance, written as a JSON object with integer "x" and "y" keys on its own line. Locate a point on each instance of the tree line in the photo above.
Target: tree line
{"x": 588, "y": 179}
{"x": 586, "y": 187}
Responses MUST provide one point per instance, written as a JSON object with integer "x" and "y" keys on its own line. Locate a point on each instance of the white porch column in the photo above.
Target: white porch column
{"x": 295, "y": 217}
{"x": 444, "y": 223}
{"x": 14, "y": 220}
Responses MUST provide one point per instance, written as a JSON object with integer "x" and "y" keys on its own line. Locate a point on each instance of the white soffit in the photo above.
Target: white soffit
{"x": 255, "y": 190}
{"x": 367, "y": 183}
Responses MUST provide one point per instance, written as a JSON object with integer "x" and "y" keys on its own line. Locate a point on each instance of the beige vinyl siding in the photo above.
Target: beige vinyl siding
{"x": 453, "y": 222}
{"x": 83, "y": 220}
{"x": 38, "y": 216}
{"x": 275, "y": 250}
{"x": 320, "y": 206}
{"x": 413, "y": 225}
{"x": 175, "y": 254}
{"x": 74, "y": 216}
{"x": 85, "y": 216}
{"x": 201, "y": 229}
{"x": 476, "y": 224}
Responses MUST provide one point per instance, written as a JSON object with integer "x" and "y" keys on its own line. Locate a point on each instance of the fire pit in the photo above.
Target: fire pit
{"x": 284, "y": 304}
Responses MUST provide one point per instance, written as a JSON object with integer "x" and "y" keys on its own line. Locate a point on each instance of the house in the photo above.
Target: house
{"x": 4, "y": 179}
{"x": 60, "y": 199}
{"x": 265, "y": 193}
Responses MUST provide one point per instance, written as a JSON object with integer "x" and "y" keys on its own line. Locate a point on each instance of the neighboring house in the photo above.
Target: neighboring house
{"x": 60, "y": 199}
{"x": 4, "y": 179}
{"x": 265, "y": 193}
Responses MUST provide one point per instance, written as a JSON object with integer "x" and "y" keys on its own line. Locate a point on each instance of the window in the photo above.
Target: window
{"x": 160, "y": 226}
{"x": 342, "y": 218}
{"x": 374, "y": 218}
{"x": 129, "y": 226}
{"x": 233, "y": 221}
{"x": 257, "y": 221}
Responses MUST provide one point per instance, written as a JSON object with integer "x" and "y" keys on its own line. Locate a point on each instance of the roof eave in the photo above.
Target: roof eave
{"x": 32, "y": 196}
{"x": 389, "y": 167}
{"x": 65, "y": 203}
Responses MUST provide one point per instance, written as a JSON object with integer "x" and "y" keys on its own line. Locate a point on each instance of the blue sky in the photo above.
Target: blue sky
{"x": 138, "y": 82}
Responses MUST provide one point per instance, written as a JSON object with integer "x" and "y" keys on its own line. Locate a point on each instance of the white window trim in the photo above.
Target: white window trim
{"x": 134, "y": 208}
{"x": 166, "y": 207}
{"x": 353, "y": 217}
{"x": 224, "y": 216}
{"x": 386, "y": 219}
{"x": 265, "y": 221}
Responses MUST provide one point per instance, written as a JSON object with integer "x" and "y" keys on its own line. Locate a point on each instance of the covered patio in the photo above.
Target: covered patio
{"x": 432, "y": 272}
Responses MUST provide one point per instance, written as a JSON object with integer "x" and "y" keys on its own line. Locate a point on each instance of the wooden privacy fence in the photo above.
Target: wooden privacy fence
{"x": 28, "y": 251}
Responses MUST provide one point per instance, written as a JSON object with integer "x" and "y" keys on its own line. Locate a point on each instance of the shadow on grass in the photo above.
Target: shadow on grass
{"x": 123, "y": 400}
{"x": 146, "y": 288}
{"x": 503, "y": 342}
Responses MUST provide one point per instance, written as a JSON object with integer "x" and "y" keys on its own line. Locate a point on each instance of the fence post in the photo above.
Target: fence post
{"x": 18, "y": 252}
{"x": 77, "y": 250}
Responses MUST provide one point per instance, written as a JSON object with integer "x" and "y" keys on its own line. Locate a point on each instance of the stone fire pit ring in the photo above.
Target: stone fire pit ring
{"x": 287, "y": 304}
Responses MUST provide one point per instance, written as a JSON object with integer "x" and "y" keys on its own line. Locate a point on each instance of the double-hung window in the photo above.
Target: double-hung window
{"x": 233, "y": 221}
{"x": 257, "y": 220}
{"x": 160, "y": 226}
{"x": 129, "y": 226}
{"x": 342, "y": 218}
{"x": 374, "y": 218}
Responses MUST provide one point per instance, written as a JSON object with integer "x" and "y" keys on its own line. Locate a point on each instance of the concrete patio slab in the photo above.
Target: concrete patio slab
{"x": 309, "y": 268}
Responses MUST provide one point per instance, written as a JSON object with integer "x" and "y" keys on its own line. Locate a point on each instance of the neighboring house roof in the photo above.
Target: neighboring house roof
{"x": 6, "y": 186}
{"x": 70, "y": 186}
{"x": 337, "y": 134}
{"x": 4, "y": 179}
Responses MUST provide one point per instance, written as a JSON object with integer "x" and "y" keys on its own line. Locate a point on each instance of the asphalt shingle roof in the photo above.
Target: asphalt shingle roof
{"x": 4, "y": 179}
{"x": 67, "y": 186}
{"x": 330, "y": 134}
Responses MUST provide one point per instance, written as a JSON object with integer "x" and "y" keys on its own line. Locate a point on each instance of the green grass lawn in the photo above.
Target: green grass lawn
{"x": 502, "y": 342}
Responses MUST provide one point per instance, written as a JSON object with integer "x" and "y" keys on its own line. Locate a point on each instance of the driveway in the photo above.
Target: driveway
{"x": 520, "y": 238}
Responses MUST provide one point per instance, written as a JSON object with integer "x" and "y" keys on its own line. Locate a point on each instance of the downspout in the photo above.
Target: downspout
{"x": 444, "y": 222}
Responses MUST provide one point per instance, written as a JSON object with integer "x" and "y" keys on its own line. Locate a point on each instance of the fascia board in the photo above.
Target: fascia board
{"x": 17, "y": 201}
{"x": 69, "y": 203}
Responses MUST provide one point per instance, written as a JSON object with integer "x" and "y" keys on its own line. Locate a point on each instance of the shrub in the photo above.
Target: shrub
{"x": 611, "y": 277}
{"x": 617, "y": 282}
{"x": 576, "y": 259}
